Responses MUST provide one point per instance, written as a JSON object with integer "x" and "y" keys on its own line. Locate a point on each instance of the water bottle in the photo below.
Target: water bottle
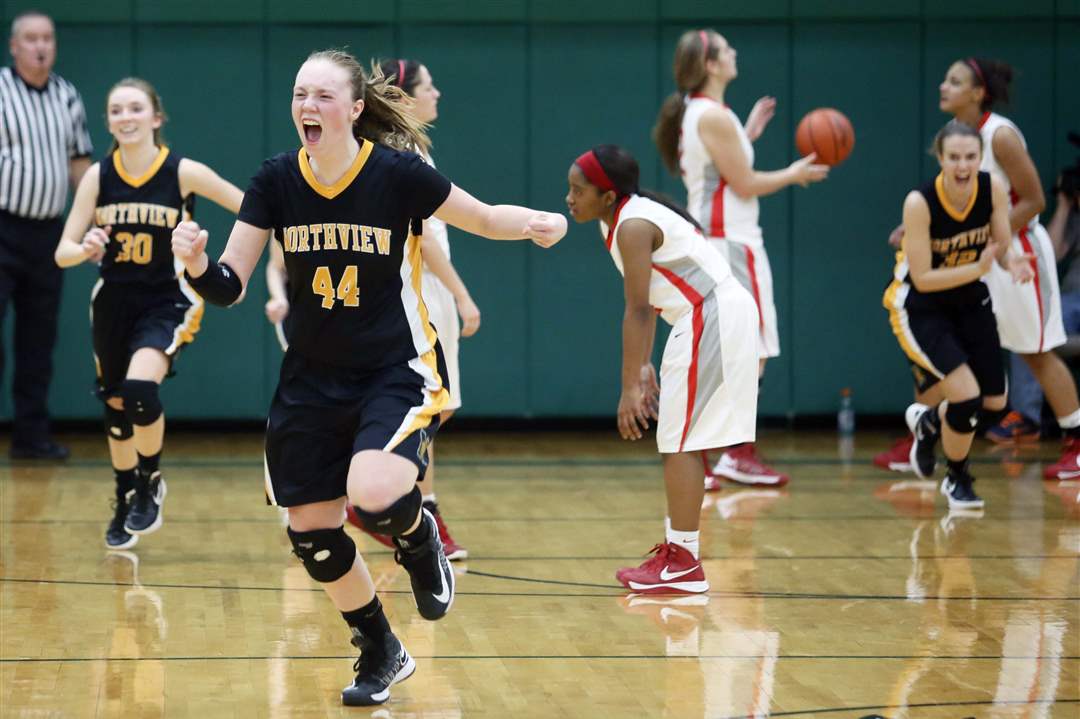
{"x": 845, "y": 417}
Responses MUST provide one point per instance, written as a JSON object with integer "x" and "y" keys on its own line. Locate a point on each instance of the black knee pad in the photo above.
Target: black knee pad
{"x": 141, "y": 402}
{"x": 989, "y": 418}
{"x": 117, "y": 425}
{"x": 962, "y": 417}
{"x": 327, "y": 554}
{"x": 396, "y": 519}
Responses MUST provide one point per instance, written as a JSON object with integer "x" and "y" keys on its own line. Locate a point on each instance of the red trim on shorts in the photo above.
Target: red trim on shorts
{"x": 615, "y": 222}
{"x": 716, "y": 219}
{"x": 698, "y": 323}
{"x": 754, "y": 285}
{"x": 1025, "y": 243}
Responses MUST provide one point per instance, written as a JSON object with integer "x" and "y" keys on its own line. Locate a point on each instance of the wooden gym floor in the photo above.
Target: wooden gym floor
{"x": 850, "y": 593}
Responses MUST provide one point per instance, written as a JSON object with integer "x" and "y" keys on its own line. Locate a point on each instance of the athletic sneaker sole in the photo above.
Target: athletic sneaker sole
{"x": 404, "y": 673}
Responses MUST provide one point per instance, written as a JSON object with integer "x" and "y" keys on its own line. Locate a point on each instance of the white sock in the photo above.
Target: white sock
{"x": 667, "y": 526}
{"x": 428, "y": 498}
{"x": 1073, "y": 420}
{"x": 686, "y": 540}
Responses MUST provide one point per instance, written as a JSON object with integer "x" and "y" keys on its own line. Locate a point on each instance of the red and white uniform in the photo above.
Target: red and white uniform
{"x": 709, "y": 373}
{"x": 1028, "y": 315}
{"x": 730, "y": 220}
{"x": 442, "y": 308}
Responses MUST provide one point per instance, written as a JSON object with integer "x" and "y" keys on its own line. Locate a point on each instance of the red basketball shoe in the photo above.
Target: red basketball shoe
{"x": 671, "y": 570}
{"x": 1068, "y": 467}
{"x": 454, "y": 551}
{"x": 383, "y": 539}
{"x": 743, "y": 465}
{"x": 898, "y": 457}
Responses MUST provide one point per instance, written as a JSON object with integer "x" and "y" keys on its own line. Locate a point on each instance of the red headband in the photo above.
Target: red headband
{"x": 594, "y": 173}
{"x": 401, "y": 74}
{"x": 978, "y": 71}
{"x": 704, "y": 42}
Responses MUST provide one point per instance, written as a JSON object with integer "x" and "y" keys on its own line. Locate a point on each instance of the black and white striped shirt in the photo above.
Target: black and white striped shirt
{"x": 40, "y": 131}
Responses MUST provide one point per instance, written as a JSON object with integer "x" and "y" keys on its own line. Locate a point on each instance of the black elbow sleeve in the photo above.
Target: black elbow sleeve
{"x": 219, "y": 285}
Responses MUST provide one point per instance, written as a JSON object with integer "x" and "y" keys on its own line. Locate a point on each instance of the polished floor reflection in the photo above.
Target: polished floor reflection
{"x": 851, "y": 592}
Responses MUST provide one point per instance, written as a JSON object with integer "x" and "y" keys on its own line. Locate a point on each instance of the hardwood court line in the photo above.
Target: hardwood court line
{"x": 617, "y": 591}
{"x": 546, "y": 657}
{"x": 922, "y": 705}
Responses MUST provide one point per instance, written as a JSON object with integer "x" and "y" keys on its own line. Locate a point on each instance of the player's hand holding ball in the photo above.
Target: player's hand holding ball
{"x": 545, "y": 228}
{"x": 189, "y": 246}
{"x": 806, "y": 170}
{"x": 94, "y": 241}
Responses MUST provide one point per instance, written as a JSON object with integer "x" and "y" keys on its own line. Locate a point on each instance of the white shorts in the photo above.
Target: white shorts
{"x": 709, "y": 374}
{"x": 750, "y": 265}
{"x": 442, "y": 311}
{"x": 1029, "y": 315}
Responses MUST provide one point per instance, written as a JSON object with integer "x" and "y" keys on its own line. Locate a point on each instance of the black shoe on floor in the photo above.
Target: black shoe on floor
{"x": 429, "y": 571}
{"x": 116, "y": 537}
{"x": 377, "y": 669}
{"x": 925, "y": 425}
{"x": 144, "y": 516}
{"x": 959, "y": 490}
{"x": 43, "y": 449}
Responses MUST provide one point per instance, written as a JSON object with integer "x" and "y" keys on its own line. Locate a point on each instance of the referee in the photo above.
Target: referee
{"x": 44, "y": 147}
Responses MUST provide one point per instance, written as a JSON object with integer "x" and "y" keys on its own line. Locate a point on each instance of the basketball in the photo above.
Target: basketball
{"x": 827, "y": 132}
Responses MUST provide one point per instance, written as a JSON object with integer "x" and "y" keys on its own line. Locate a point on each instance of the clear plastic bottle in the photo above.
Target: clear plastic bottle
{"x": 845, "y": 416}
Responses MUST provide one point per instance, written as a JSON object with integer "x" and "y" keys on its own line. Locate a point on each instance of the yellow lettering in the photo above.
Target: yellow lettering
{"x": 316, "y": 235}
{"x": 382, "y": 239}
{"x": 355, "y": 229}
{"x": 365, "y": 239}
{"x": 302, "y": 240}
{"x": 329, "y": 239}
{"x": 171, "y": 216}
{"x": 290, "y": 239}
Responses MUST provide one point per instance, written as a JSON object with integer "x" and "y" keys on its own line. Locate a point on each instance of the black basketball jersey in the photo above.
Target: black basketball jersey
{"x": 142, "y": 212}
{"x": 958, "y": 236}
{"x": 353, "y": 263}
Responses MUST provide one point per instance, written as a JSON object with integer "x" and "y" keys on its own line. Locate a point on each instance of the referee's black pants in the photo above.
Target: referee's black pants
{"x": 30, "y": 281}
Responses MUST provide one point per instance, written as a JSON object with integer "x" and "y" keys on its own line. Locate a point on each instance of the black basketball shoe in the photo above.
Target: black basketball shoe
{"x": 959, "y": 490}
{"x": 925, "y": 425}
{"x": 429, "y": 571}
{"x": 144, "y": 516}
{"x": 377, "y": 669}
{"x": 116, "y": 537}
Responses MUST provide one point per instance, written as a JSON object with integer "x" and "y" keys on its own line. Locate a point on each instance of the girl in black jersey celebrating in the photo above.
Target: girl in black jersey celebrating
{"x": 360, "y": 390}
{"x": 955, "y": 227}
{"x": 142, "y": 312}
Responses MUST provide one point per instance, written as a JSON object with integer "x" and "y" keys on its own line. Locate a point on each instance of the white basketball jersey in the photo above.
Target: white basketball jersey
{"x": 990, "y": 123}
{"x": 718, "y": 208}
{"x": 685, "y": 268}
{"x": 435, "y": 227}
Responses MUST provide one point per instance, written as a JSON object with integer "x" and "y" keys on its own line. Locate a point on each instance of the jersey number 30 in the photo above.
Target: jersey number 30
{"x": 137, "y": 248}
{"x": 347, "y": 290}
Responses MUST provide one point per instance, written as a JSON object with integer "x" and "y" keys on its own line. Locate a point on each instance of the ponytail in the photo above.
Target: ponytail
{"x": 665, "y": 132}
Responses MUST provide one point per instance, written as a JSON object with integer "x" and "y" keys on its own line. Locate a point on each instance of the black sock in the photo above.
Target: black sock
{"x": 369, "y": 620}
{"x": 149, "y": 465}
{"x": 431, "y": 506}
{"x": 958, "y": 467}
{"x": 1071, "y": 432}
{"x": 125, "y": 481}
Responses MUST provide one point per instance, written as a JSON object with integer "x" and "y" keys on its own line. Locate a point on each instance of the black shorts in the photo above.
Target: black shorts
{"x": 322, "y": 415}
{"x": 940, "y": 337}
{"x": 128, "y": 317}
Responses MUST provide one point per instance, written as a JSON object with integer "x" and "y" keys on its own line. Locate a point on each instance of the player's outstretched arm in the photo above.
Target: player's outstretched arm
{"x": 203, "y": 181}
{"x": 501, "y": 222}
{"x": 222, "y": 282}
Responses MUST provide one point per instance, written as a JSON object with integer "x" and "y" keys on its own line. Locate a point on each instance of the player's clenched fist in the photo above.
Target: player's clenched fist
{"x": 189, "y": 246}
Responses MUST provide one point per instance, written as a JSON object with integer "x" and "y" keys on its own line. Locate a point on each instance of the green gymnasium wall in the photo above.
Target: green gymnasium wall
{"x": 529, "y": 84}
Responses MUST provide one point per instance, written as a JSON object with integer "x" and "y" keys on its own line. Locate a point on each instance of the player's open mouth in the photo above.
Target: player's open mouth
{"x": 312, "y": 131}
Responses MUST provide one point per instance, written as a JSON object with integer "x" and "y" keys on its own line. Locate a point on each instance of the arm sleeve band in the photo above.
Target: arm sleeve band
{"x": 219, "y": 284}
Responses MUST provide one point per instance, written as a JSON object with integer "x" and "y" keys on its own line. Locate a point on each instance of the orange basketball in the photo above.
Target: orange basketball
{"x": 828, "y": 133}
